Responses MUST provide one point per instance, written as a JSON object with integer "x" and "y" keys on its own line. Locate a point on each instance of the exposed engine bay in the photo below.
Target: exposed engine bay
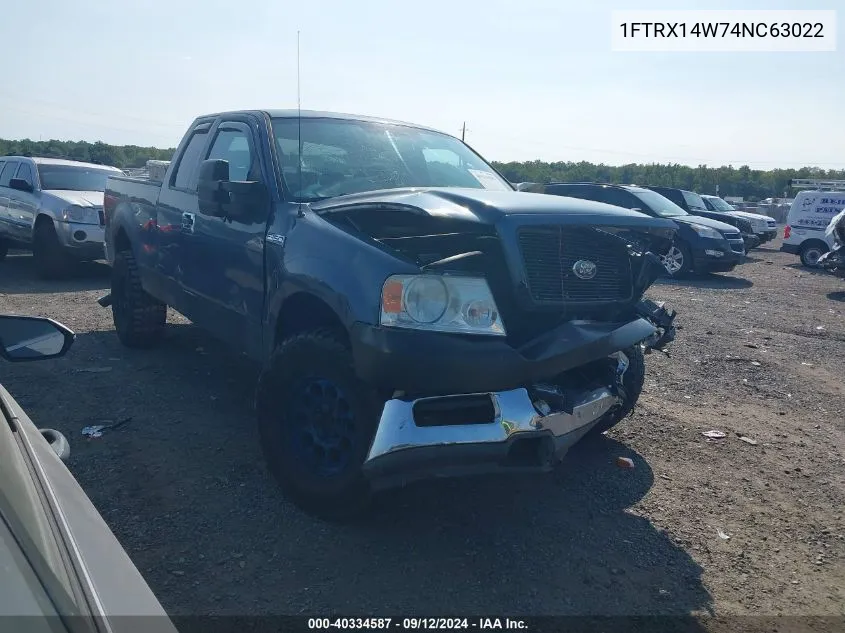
{"x": 449, "y": 244}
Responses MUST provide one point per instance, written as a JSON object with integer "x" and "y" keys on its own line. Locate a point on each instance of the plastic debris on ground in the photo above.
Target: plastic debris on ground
{"x": 714, "y": 435}
{"x": 748, "y": 440}
{"x": 96, "y": 430}
{"x": 722, "y": 534}
{"x": 624, "y": 462}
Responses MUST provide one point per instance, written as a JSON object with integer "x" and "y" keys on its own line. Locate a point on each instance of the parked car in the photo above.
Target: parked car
{"x": 764, "y": 227}
{"x": 62, "y": 567}
{"x": 809, "y": 216}
{"x": 55, "y": 208}
{"x": 412, "y": 311}
{"x": 702, "y": 245}
{"x": 692, "y": 203}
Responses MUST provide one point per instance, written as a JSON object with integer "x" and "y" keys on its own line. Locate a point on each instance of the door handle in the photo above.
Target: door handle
{"x": 188, "y": 222}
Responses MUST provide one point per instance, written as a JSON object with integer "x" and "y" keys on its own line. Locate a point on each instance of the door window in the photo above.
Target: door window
{"x": 8, "y": 170}
{"x": 233, "y": 146}
{"x": 25, "y": 173}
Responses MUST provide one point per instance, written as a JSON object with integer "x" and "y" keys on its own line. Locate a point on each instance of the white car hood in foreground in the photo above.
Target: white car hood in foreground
{"x": 80, "y": 198}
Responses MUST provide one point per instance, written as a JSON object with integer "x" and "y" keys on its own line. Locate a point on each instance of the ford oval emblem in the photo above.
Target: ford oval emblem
{"x": 584, "y": 269}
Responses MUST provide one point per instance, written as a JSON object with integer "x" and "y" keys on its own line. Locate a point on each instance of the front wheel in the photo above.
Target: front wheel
{"x": 632, "y": 382}
{"x": 678, "y": 261}
{"x": 51, "y": 261}
{"x": 316, "y": 420}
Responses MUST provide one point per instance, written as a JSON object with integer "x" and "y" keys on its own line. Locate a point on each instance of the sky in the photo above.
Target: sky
{"x": 534, "y": 79}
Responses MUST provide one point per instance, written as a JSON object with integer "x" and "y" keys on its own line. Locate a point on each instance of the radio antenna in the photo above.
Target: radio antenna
{"x": 298, "y": 123}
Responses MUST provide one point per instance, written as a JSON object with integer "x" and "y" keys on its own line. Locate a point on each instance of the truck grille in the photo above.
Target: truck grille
{"x": 549, "y": 254}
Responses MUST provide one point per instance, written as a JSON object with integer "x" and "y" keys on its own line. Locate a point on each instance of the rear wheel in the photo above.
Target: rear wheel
{"x": 632, "y": 382}
{"x": 316, "y": 421}
{"x": 51, "y": 261}
{"x": 810, "y": 253}
{"x": 139, "y": 318}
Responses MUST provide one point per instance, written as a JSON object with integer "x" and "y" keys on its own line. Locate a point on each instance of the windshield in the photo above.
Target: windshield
{"x": 694, "y": 201}
{"x": 343, "y": 156}
{"x": 661, "y": 205}
{"x": 720, "y": 205}
{"x": 70, "y": 178}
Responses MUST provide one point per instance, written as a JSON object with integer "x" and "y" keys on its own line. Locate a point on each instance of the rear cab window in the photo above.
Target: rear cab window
{"x": 187, "y": 171}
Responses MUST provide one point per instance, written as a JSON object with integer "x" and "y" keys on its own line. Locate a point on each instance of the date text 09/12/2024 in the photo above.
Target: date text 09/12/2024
{"x": 413, "y": 624}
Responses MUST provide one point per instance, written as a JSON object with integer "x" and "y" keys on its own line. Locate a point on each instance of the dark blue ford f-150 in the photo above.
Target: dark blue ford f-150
{"x": 414, "y": 314}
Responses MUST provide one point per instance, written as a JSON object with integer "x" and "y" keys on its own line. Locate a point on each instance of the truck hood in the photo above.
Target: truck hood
{"x": 750, "y": 216}
{"x": 80, "y": 198}
{"x": 705, "y": 221}
{"x": 486, "y": 207}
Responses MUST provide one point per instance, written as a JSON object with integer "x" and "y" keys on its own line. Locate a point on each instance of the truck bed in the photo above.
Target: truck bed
{"x": 143, "y": 190}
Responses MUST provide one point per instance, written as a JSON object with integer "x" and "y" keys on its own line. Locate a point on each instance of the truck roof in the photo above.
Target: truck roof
{"x": 292, "y": 113}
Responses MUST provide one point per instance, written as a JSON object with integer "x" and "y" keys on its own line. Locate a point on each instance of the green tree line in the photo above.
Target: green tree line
{"x": 751, "y": 184}
{"x": 116, "y": 155}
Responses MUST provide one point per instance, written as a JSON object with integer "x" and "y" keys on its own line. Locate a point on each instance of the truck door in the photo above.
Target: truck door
{"x": 223, "y": 258}
{"x": 176, "y": 207}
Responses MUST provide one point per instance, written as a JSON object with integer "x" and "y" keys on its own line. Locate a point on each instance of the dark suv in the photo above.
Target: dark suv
{"x": 694, "y": 204}
{"x": 701, "y": 245}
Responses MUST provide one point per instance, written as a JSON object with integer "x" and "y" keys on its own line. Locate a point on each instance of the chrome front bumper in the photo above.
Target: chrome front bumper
{"x": 524, "y": 434}
{"x": 82, "y": 240}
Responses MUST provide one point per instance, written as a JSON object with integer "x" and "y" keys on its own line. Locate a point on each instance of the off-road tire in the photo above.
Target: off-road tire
{"x": 297, "y": 363}
{"x": 51, "y": 260}
{"x": 632, "y": 381}
{"x": 139, "y": 318}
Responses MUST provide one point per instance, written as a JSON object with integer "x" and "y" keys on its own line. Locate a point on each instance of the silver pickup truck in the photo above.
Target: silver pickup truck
{"x": 53, "y": 207}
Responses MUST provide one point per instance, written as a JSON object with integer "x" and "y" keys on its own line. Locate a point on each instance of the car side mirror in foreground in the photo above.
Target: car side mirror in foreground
{"x": 25, "y": 338}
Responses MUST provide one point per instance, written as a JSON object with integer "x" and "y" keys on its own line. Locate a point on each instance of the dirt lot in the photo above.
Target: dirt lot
{"x": 184, "y": 488}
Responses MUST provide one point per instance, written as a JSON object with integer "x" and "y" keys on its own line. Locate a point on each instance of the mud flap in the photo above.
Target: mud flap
{"x": 663, "y": 319}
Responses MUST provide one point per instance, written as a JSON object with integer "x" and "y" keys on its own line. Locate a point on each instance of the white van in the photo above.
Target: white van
{"x": 809, "y": 216}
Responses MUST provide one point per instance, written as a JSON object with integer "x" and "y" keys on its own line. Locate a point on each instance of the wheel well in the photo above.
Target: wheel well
{"x": 42, "y": 218}
{"x": 121, "y": 241}
{"x": 301, "y": 312}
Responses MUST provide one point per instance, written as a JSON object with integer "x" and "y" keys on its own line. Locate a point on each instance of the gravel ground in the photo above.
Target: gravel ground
{"x": 184, "y": 488}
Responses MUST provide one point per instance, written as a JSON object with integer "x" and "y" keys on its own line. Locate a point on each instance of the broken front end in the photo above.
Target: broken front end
{"x": 516, "y": 338}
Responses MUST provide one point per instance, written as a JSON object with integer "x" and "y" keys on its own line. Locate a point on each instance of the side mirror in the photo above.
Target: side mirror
{"x": 20, "y": 184}
{"x": 25, "y": 338}
{"x": 218, "y": 196}
{"x": 531, "y": 187}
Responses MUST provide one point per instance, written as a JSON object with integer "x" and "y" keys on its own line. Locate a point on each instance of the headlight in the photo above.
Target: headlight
{"x": 706, "y": 231}
{"x": 81, "y": 215}
{"x": 440, "y": 304}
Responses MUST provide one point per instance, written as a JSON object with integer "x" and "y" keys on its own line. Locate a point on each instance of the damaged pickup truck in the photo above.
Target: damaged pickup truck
{"x": 414, "y": 315}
